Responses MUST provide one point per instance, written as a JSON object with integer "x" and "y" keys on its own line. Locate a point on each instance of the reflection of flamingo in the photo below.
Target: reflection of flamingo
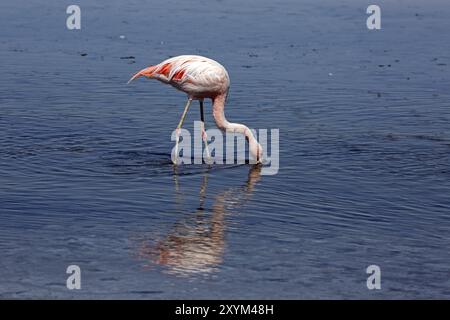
{"x": 200, "y": 78}
{"x": 196, "y": 244}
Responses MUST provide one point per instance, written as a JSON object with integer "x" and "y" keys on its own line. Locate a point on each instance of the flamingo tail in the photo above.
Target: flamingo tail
{"x": 147, "y": 72}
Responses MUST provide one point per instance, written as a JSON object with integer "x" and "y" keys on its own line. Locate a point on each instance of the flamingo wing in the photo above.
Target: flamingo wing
{"x": 189, "y": 73}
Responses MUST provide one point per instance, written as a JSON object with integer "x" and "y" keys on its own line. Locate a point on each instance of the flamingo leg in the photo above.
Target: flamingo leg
{"x": 204, "y": 136}
{"x": 186, "y": 108}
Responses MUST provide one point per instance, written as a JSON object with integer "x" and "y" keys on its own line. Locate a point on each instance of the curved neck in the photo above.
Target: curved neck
{"x": 218, "y": 112}
{"x": 223, "y": 124}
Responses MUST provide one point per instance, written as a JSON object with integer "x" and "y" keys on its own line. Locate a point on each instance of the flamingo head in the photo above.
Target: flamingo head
{"x": 256, "y": 150}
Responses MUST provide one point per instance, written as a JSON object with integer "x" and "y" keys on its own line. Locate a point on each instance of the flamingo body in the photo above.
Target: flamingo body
{"x": 198, "y": 76}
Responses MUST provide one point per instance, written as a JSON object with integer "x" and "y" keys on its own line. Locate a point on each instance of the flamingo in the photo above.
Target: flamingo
{"x": 200, "y": 77}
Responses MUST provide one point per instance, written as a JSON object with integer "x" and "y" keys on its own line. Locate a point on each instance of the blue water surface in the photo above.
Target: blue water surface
{"x": 364, "y": 178}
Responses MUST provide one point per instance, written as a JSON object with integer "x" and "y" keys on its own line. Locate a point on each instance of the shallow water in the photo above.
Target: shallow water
{"x": 85, "y": 169}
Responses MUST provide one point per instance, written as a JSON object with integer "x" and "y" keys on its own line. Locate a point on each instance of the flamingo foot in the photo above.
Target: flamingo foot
{"x": 175, "y": 156}
{"x": 208, "y": 159}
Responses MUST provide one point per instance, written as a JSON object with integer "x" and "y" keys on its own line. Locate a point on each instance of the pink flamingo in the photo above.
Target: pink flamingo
{"x": 201, "y": 78}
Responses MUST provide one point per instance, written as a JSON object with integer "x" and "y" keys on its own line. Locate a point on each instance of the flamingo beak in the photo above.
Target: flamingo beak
{"x": 147, "y": 72}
